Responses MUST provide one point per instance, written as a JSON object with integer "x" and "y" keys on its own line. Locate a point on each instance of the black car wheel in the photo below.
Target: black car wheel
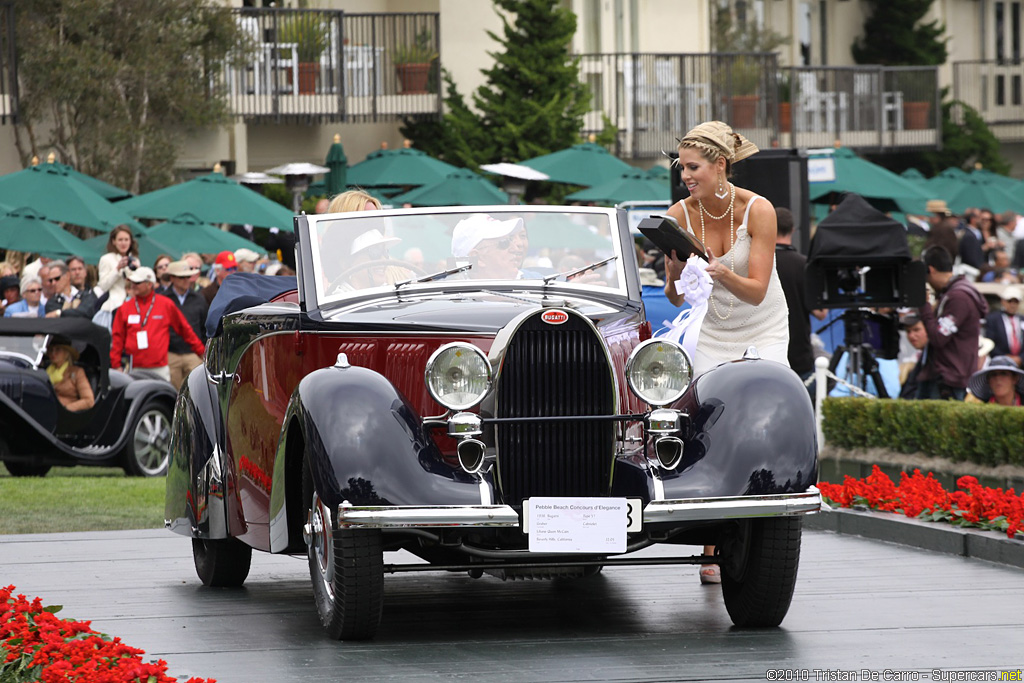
{"x": 347, "y": 570}
{"x": 759, "y": 591}
{"x": 20, "y": 469}
{"x": 221, "y": 562}
{"x": 147, "y": 452}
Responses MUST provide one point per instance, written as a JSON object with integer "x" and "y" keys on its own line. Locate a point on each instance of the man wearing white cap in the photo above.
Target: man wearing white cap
{"x": 1005, "y": 327}
{"x": 497, "y": 248}
{"x": 141, "y": 329}
{"x": 181, "y": 360}
{"x": 246, "y": 259}
{"x": 367, "y": 259}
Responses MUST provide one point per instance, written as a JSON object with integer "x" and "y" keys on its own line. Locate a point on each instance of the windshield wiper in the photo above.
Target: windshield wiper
{"x": 578, "y": 271}
{"x": 434, "y": 276}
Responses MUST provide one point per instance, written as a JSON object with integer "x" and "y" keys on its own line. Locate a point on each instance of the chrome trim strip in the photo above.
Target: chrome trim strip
{"x": 657, "y": 511}
{"x": 385, "y": 517}
{"x": 733, "y": 507}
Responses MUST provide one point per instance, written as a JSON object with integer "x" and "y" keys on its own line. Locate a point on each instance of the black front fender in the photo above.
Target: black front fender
{"x": 366, "y": 444}
{"x": 751, "y": 432}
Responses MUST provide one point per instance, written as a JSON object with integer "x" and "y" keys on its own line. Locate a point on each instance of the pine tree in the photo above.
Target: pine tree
{"x": 532, "y": 102}
{"x": 895, "y": 36}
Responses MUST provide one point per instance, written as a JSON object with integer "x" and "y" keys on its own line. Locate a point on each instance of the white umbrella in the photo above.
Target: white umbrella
{"x": 514, "y": 177}
{"x": 256, "y": 178}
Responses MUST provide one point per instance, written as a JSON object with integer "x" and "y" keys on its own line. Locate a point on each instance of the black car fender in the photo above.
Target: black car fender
{"x": 366, "y": 444}
{"x": 197, "y": 475}
{"x": 751, "y": 431}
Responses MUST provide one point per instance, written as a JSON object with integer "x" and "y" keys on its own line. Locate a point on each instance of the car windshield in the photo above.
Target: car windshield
{"x": 30, "y": 348}
{"x": 354, "y": 252}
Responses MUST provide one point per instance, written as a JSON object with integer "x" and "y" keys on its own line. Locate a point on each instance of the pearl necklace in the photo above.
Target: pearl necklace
{"x": 732, "y": 244}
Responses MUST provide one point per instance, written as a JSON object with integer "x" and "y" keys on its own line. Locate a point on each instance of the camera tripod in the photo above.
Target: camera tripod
{"x": 861, "y": 363}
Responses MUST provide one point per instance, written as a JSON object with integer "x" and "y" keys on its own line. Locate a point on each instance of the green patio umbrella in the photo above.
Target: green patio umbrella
{"x": 55, "y": 194}
{"x": 188, "y": 233}
{"x": 914, "y": 175}
{"x": 989, "y": 178}
{"x": 398, "y": 167}
{"x": 111, "y": 193}
{"x": 336, "y": 179}
{"x": 461, "y": 187}
{"x": 660, "y": 173}
{"x": 25, "y": 230}
{"x": 633, "y": 185}
{"x": 554, "y": 230}
{"x": 982, "y": 192}
{"x": 586, "y": 164}
{"x": 945, "y": 184}
{"x": 212, "y": 199}
{"x": 885, "y": 190}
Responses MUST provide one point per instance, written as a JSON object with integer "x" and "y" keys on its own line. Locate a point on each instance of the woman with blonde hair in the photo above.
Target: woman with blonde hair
{"x": 746, "y": 306}
{"x": 353, "y": 200}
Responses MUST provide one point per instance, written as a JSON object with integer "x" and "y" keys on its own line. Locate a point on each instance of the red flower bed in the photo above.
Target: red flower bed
{"x": 924, "y": 497}
{"x": 37, "y": 646}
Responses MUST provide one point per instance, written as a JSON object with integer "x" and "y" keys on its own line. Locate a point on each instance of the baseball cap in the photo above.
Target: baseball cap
{"x": 181, "y": 269}
{"x": 247, "y": 255}
{"x": 1012, "y": 292}
{"x": 470, "y": 231}
{"x": 142, "y": 274}
{"x": 369, "y": 239}
{"x": 226, "y": 259}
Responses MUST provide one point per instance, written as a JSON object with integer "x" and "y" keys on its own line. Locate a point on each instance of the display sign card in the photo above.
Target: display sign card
{"x": 577, "y": 525}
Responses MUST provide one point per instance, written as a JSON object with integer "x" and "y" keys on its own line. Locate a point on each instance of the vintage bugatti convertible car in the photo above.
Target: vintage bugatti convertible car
{"x": 479, "y": 387}
{"x": 129, "y": 425}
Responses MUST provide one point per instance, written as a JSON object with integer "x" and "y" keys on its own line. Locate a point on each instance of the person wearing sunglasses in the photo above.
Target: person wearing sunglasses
{"x": 496, "y": 248}
{"x": 30, "y": 305}
{"x": 67, "y": 300}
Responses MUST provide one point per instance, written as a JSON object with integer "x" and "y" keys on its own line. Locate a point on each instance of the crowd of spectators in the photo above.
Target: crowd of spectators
{"x": 969, "y": 330}
{"x": 156, "y": 314}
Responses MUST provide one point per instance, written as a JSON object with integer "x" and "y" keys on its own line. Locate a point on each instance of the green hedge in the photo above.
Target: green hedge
{"x": 984, "y": 434}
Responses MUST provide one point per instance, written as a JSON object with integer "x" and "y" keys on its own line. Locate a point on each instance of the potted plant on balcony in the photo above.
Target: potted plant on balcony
{"x": 785, "y": 103}
{"x": 310, "y": 33}
{"x": 744, "y": 79}
{"x": 413, "y": 62}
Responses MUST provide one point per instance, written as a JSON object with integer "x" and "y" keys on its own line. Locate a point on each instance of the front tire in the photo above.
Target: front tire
{"x": 147, "y": 453}
{"x": 21, "y": 469}
{"x": 347, "y": 570}
{"x": 759, "y": 592}
{"x": 221, "y": 562}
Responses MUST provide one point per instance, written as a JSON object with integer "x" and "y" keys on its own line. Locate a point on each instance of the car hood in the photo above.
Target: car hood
{"x": 476, "y": 312}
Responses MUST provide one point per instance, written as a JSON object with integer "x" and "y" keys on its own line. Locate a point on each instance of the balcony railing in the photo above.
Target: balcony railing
{"x": 654, "y": 98}
{"x": 994, "y": 89}
{"x": 8, "y": 66}
{"x": 333, "y": 66}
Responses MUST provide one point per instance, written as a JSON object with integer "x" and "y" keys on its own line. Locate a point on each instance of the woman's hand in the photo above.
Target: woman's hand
{"x": 673, "y": 267}
{"x": 123, "y": 263}
{"x": 716, "y": 269}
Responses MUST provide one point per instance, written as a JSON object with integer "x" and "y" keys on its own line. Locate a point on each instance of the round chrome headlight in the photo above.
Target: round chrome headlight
{"x": 659, "y": 371}
{"x": 458, "y": 376}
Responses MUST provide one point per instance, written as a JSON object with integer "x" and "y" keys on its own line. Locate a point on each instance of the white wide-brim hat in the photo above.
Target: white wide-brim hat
{"x": 470, "y": 231}
{"x": 371, "y": 238}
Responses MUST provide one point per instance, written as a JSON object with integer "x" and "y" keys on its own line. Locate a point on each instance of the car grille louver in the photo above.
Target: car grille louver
{"x": 554, "y": 370}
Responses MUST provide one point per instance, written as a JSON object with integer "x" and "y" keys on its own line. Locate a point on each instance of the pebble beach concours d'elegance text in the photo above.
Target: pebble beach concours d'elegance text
{"x": 825, "y": 675}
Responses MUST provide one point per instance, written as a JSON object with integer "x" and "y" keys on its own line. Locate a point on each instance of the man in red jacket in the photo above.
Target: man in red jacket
{"x": 141, "y": 329}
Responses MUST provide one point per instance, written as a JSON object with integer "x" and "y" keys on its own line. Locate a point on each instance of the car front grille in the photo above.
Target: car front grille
{"x": 554, "y": 370}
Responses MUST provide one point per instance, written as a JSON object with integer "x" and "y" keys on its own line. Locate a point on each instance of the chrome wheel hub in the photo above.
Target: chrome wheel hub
{"x": 319, "y": 537}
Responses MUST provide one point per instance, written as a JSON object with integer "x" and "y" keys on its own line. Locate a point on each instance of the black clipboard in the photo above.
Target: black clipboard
{"x": 667, "y": 235}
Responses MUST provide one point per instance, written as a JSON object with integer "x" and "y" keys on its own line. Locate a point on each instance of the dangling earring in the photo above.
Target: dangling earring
{"x": 723, "y": 191}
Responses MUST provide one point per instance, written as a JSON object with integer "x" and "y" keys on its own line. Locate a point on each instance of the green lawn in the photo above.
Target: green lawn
{"x": 80, "y": 499}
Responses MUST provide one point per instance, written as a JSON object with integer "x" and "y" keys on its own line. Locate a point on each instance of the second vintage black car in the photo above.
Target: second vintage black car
{"x": 128, "y": 426}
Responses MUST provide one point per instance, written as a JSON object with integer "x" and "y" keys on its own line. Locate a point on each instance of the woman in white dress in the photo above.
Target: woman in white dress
{"x": 747, "y": 306}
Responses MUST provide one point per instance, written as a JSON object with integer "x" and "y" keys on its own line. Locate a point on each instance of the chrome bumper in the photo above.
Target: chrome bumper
{"x": 656, "y": 512}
